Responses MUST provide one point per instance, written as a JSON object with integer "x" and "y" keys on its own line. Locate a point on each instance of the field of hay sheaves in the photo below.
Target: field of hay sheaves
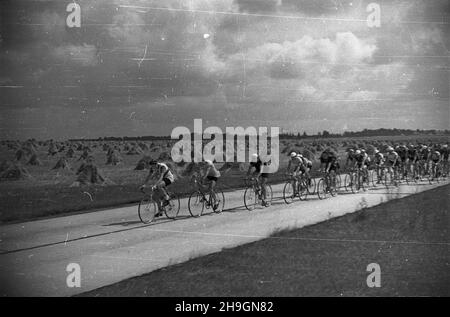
{"x": 48, "y": 192}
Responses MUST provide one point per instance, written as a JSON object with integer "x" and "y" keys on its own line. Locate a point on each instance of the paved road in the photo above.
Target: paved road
{"x": 112, "y": 245}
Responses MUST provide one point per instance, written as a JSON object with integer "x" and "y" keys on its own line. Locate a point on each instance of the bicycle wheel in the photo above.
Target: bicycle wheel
{"x": 173, "y": 208}
{"x": 147, "y": 210}
{"x": 373, "y": 178}
{"x": 333, "y": 186}
{"x": 250, "y": 198}
{"x": 321, "y": 189}
{"x": 220, "y": 201}
{"x": 269, "y": 195}
{"x": 288, "y": 193}
{"x": 338, "y": 182}
{"x": 196, "y": 204}
{"x": 348, "y": 182}
{"x": 311, "y": 182}
{"x": 302, "y": 190}
{"x": 356, "y": 182}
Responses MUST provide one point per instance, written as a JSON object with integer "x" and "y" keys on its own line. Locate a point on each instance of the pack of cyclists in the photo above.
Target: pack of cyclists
{"x": 401, "y": 158}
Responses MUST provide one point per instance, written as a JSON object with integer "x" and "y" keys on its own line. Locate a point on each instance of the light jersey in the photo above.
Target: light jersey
{"x": 435, "y": 156}
{"x": 392, "y": 156}
{"x": 296, "y": 162}
{"x": 213, "y": 171}
{"x": 379, "y": 157}
{"x": 164, "y": 170}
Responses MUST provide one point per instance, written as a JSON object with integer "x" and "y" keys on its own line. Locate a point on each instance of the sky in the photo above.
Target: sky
{"x": 138, "y": 67}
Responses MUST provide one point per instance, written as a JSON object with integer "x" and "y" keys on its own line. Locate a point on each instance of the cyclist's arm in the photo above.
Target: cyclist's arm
{"x": 161, "y": 176}
{"x": 147, "y": 179}
{"x": 206, "y": 173}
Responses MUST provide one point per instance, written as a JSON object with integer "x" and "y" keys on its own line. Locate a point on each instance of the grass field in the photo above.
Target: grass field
{"x": 47, "y": 192}
{"x": 409, "y": 238}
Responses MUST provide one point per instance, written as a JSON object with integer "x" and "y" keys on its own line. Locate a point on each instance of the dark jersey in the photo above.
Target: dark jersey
{"x": 412, "y": 154}
{"x": 328, "y": 157}
{"x": 445, "y": 153}
{"x": 402, "y": 153}
{"x": 257, "y": 166}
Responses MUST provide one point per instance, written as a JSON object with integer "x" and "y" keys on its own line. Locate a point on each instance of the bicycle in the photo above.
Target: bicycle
{"x": 354, "y": 180}
{"x": 435, "y": 172}
{"x": 198, "y": 200}
{"x": 326, "y": 185}
{"x": 148, "y": 208}
{"x": 377, "y": 174}
{"x": 391, "y": 176}
{"x": 289, "y": 192}
{"x": 253, "y": 194}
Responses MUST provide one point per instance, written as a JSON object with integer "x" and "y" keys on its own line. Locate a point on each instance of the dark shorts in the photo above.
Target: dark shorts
{"x": 167, "y": 181}
{"x": 265, "y": 175}
{"x": 212, "y": 178}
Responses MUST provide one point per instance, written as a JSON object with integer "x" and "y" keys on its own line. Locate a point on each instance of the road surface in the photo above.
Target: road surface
{"x": 112, "y": 245}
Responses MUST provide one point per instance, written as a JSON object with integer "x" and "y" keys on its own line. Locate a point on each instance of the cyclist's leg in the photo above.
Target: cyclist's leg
{"x": 162, "y": 185}
{"x": 263, "y": 180}
{"x": 212, "y": 185}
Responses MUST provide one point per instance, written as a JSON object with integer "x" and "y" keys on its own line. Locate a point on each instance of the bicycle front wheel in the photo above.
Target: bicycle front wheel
{"x": 311, "y": 182}
{"x": 250, "y": 198}
{"x": 288, "y": 193}
{"x": 147, "y": 210}
{"x": 303, "y": 190}
{"x": 173, "y": 208}
{"x": 220, "y": 201}
{"x": 196, "y": 204}
{"x": 322, "y": 189}
{"x": 269, "y": 195}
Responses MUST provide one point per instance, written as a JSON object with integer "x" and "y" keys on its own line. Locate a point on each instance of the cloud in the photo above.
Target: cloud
{"x": 291, "y": 59}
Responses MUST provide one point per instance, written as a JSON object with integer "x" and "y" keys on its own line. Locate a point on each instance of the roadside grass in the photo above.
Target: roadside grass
{"x": 409, "y": 238}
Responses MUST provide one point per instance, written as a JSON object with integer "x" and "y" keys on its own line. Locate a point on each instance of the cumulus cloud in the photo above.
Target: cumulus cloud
{"x": 288, "y": 59}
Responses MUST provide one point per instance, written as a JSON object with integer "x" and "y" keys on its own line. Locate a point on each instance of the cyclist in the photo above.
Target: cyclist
{"x": 164, "y": 177}
{"x": 445, "y": 154}
{"x": 411, "y": 157}
{"x": 211, "y": 176}
{"x": 379, "y": 162}
{"x": 392, "y": 160}
{"x": 308, "y": 166}
{"x": 434, "y": 158}
{"x": 402, "y": 152}
{"x": 257, "y": 164}
{"x": 328, "y": 163}
{"x": 296, "y": 168}
{"x": 361, "y": 158}
{"x": 350, "y": 158}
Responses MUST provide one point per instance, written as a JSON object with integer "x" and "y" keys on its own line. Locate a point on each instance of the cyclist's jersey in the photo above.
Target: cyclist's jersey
{"x": 350, "y": 157}
{"x": 445, "y": 153}
{"x": 392, "y": 157}
{"x": 296, "y": 162}
{"x": 423, "y": 154}
{"x": 412, "y": 154}
{"x": 402, "y": 153}
{"x": 378, "y": 158}
{"x": 435, "y": 156}
{"x": 361, "y": 159}
{"x": 308, "y": 163}
{"x": 213, "y": 171}
{"x": 328, "y": 157}
{"x": 258, "y": 165}
{"x": 163, "y": 169}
